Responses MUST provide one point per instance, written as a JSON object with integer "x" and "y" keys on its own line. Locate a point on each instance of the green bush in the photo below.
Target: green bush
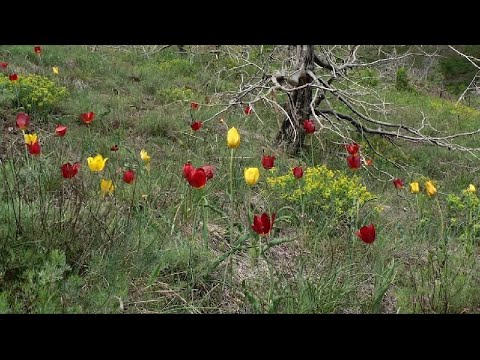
{"x": 368, "y": 77}
{"x": 35, "y": 93}
{"x": 331, "y": 190}
{"x": 402, "y": 83}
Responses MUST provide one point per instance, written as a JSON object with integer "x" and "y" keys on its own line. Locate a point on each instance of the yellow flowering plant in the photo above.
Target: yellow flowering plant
{"x": 30, "y": 138}
{"x": 463, "y": 212}
{"x": 233, "y": 138}
{"x": 430, "y": 188}
{"x": 107, "y": 187}
{"x": 35, "y": 93}
{"x": 251, "y": 175}
{"x": 330, "y": 190}
{"x": 97, "y": 163}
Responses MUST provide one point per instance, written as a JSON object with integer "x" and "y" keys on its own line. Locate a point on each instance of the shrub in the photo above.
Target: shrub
{"x": 331, "y": 190}
{"x": 36, "y": 93}
{"x": 402, "y": 83}
{"x": 368, "y": 77}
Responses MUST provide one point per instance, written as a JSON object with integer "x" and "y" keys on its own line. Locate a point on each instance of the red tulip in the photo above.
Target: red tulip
{"x": 369, "y": 162}
{"x": 353, "y": 161}
{"x": 129, "y": 176}
{"x": 262, "y": 224}
{"x": 70, "y": 171}
{"x": 209, "y": 169}
{"x": 298, "y": 172}
{"x": 61, "y": 130}
{"x": 196, "y": 125}
{"x": 352, "y": 149}
{"x": 194, "y": 105}
{"x": 37, "y": 49}
{"x": 309, "y": 126}
{"x": 3, "y": 65}
{"x": 34, "y": 148}
{"x": 187, "y": 170}
{"x": 23, "y": 121}
{"x": 398, "y": 183}
{"x": 87, "y": 118}
{"x": 267, "y": 162}
{"x": 197, "y": 178}
{"x": 114, "y": 148}
{"x": 367, "y": 234}
{"x": 13, "y": 77}
{"x": 247, "y": 110}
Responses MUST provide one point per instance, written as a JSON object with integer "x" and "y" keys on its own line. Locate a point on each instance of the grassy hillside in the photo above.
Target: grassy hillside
{"x": 158, "y": 245}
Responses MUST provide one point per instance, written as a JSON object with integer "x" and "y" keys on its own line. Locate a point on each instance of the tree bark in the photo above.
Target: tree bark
{"x": 291, "y": 134}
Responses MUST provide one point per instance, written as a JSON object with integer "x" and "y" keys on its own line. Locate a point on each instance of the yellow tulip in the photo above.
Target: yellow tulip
{"x": 430, "y": 188}
{"x": 97, "y": 163}
{"x": 471, "y": 188}
{"x": 233, "y": 138}
{"x": 251, "y": 175}
{"x": 30, "y": 138}
{"x": 414, "y": 187}
{"x": 55, "y": 70}
{"x": 107, "y": 187}
{"x": 144, "y": 155}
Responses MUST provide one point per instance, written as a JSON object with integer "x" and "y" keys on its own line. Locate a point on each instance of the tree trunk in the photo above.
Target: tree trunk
{"x": 298, "y": 106}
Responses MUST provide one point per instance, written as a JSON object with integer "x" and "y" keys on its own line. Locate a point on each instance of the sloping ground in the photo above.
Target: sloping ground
{"x": 150, "y": 248}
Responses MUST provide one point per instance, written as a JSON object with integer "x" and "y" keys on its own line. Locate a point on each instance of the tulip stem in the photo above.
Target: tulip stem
{"x": 231, "y": 198}
{"x": 311, "y": 149}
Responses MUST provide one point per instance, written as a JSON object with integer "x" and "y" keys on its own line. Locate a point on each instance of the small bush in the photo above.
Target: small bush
{"x": 332, "y": 191}
{"x": 169, "y": 95}
{"x": 37, "y": 94}
{"x": 368, "y": 77}
{"x": 402, "y": 83}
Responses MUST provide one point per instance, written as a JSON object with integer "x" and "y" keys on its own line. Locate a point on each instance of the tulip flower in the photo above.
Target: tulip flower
{"x": 114, "y": 148}
{"x": 88, "y": 117}
{"x": 197, "y": 178}
{"x": 263, "y": 224}
{"x": 129, "y": 176}
{"x": 414, "y": 187}
{"x": 471, "y": 188}
{"x": 369, "y": 162}
{"x": 367, "y": 234}
{"x": 430, "y": 188}
{"x": 107, "y": 187}
{"x": 352, "y": 149}
{"x": 34, "y": 148}
{"x": 196, "y": 125}
{"x": 233, "y": 138}
{"x": 309, "y": 126}
{"x": 61, "y": 130}
{"x": 398, "y": 183}
{"x": 267, "y": 162}
{"x": 97, "y": 163}
{"x": 3, "y": 65}
{"x": 187, "y": 170}
{"x": 209, "y": 169}
{"x": 144, "y": 155}
{"x": 30, "y": 138}
{"x": 23, "y": 121}
{"x": 353, "y": 161}
{"x": 247, "y": 110}
{"x": 37, "y": 49}
{"x": 55, "y": 70}
{"x": 298, "y": 172}
{"x": 251, "y": 176}
{"x": 13, "y": 77}
{"x": 70, "y": 171}
{"x": 194, "y": 105}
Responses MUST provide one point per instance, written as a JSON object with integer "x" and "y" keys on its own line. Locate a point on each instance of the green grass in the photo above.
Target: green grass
{"x": 153, "y": 246}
